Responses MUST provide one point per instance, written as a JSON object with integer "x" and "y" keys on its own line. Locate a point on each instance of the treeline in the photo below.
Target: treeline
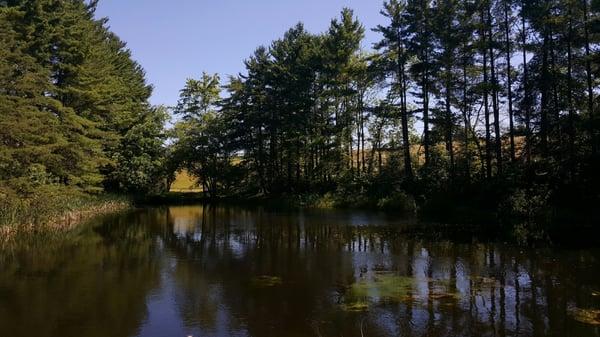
{"x": 487, "y": 103}
{"x": 74, "y": 111}
{"x": 481, "y": 98}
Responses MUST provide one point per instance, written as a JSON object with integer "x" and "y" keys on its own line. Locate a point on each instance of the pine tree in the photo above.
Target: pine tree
{"x": 420, "y": 46}
{"x": 88, "y": 90}
{"x": 393, "y": 47}
{"x": 446, "y": 44}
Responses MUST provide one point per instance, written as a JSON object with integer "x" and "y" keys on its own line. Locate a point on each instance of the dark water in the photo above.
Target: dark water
{"x": 200, "y": 271}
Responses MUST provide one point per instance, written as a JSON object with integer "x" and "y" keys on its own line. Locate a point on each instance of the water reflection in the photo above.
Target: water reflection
{"x": 225, "y": 271}
{"x": 86, "y": 285}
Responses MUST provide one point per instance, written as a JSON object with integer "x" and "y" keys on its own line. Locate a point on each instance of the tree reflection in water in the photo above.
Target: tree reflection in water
{"x": 458, "y": 289}
{"x": 227, "y": 271}
{"x": 91, "y": 283}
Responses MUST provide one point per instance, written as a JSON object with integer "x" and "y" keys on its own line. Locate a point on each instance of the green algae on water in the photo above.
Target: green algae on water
{"x": 266, "y": 281}
{"x": 355, "y": 306}
{"x": 390, "y": 287}
{"x": 383, "y": 286}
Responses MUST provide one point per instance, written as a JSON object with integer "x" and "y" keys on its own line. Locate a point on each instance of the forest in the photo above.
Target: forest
{"x": 75, "y": 121}
{"x": 479, "y": 109}
{"x": 484, "y": 105}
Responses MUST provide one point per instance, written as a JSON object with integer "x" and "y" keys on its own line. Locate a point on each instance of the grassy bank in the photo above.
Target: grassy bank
{"x": 52, "y": 209}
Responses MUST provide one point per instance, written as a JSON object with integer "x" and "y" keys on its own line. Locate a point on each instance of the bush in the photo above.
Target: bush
{"x": 529, "y": 212}
{"x": 398, "y": 202}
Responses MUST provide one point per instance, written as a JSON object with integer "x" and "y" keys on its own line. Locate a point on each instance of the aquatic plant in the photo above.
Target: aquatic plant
{"x": 383, "y": 286}
{"x": 266, "y": 281}
{"x": 358, "y": 306}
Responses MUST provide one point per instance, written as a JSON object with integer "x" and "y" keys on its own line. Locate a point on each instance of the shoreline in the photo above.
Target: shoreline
{"x": 64, "y": 221}
{"x": 82, "y": 208}
{"x": 567, "y": 228}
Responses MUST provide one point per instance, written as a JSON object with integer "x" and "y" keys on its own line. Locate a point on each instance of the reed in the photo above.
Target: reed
{"x": 52, "y": 209}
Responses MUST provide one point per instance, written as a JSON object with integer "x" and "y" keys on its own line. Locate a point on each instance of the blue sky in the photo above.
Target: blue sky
{"x": 178, "y": 39}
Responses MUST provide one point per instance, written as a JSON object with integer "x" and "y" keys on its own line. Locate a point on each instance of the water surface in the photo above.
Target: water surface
{"x": 227, "y": 271}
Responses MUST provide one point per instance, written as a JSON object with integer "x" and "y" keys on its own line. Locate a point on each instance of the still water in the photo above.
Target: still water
{"x": 227, "y": 271}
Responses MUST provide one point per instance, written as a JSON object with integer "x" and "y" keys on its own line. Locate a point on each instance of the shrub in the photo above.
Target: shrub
{"x": 398, "y": 202}
{"x": 529, "y": 212}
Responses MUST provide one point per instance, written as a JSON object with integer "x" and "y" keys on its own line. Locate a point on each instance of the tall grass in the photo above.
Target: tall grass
{"x": 51, "y": 207}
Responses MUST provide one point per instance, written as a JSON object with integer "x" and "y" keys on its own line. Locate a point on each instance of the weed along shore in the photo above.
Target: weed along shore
{"x": 33, "y": 217}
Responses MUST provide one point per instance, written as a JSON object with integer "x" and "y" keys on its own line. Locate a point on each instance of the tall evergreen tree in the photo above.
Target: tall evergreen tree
{"x": 88, "y": 93}
{"x": 420, "y": 46}
{"x": 393, "y": 47}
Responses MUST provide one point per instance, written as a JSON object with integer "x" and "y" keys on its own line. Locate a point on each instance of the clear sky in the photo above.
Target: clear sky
{"x": 177, "y": 39}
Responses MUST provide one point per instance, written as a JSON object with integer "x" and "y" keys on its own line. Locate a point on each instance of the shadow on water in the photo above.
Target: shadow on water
{"x": 228, "y": 271}
{"x": 87, "y": 284}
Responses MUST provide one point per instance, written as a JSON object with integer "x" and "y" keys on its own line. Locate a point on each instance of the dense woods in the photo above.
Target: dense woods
{"x": 492, "y": 105}
{"x": 493, "y": 102}
{"x": 73, "y": 104}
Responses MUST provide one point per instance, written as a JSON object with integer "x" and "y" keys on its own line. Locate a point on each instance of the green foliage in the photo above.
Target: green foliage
{"x": 530, "y": 211}
{"x": 72, "y": 102}
{"x": 140, "y": 166}
{"x": 398, "y": 202}
{"x": 201, "y": 143}
{"x": 198, "y": 97}
{"x": 442, "y": 117}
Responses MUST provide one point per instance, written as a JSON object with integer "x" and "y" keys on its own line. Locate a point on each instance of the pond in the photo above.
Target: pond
{"x": 233, "y": 271}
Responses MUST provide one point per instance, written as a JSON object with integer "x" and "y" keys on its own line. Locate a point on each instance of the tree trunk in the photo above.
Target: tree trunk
{"x": 426, "y": 117}
{"x": 509, "y": 82}
{"x": 466, "y": 121}
{"x": 525, "y": 104}
{"x": 449, "y": 128}
{"x": 496, "y": 108}
{"x": 570, "y": 97}
{"x": 404, "y": 114}
{"x": 488, "y": 142}
{"x": 544, "y": 96}
{"x": 449, "y": 123}
{"x": 590, "y": 87}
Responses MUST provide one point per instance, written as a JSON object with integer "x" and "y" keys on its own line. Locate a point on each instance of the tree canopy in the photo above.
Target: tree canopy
{"x": 74, "y": 104}
{"x": 457, "y": 96}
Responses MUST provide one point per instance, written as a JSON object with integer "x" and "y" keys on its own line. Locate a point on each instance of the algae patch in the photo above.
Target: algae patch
{"x": 394, "y": 288}
{"x": 355, "y": 306}
{"x": 382, "y": 287}
{"x": 266, "y": 281}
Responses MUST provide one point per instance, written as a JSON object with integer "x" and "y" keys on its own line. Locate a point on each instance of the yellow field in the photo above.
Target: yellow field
{"x": 184, "y": 182}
